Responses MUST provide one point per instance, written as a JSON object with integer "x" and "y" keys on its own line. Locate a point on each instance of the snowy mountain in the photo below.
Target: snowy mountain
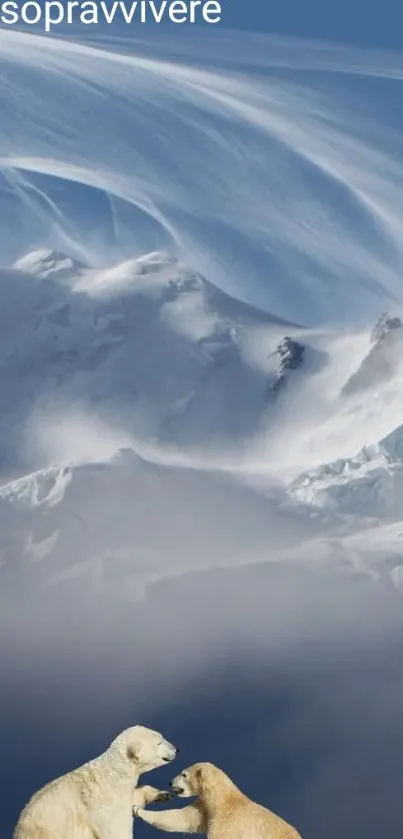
{"x": 369, "y": 484}
{"x": 384, "y": 358}
{"x": 149, "y": 356}
{"x": 148, "y": 345}
{"x": 50, "y": 264}
{"x": 217, "y": 398}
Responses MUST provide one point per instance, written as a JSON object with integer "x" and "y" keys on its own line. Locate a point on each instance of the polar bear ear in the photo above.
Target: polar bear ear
{"x": 132, "y": 753}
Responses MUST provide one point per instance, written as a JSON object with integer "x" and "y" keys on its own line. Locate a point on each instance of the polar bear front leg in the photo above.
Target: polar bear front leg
{"x": 188, "y": 820}
{"x": 149, "y": 795}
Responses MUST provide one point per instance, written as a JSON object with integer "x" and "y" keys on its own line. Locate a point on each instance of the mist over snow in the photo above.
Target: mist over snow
{"x": 201, "y": 413}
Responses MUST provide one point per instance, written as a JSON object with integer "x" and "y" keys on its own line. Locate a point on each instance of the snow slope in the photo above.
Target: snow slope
{"x": 148, "y": 346}
{"x": 215, "y": 405}
{"x": 371, "y": 483}
{"x": 153, "y": 351}
{"x": 117, "y": 526}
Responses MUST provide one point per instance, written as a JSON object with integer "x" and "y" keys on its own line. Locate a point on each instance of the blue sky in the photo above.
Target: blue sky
{"x": 354, "y": 21}
{"x": 372, "y": 24}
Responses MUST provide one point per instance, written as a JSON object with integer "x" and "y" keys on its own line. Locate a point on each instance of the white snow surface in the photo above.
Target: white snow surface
{"x": 148, "y": 346}
{"x": 140, "y": 417}
{"x": 169, "y": 213}
{"x": 371, "y": 483}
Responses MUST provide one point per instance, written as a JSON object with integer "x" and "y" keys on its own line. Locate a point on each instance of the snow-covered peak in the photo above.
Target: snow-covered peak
{"x": 49, "y": 264}
{"x": 162, "y": 275}
{"x": 149, "y": 344}
{"x": 386, "y": 324}
{"x": 383, "y": 360}
{"x": 145, "y": 273}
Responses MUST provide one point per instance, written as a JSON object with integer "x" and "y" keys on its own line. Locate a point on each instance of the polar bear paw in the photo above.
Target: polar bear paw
{"x": 164, "y": 795}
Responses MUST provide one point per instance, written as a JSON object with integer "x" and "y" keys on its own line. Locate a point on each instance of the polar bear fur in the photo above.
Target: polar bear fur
{"x": 96, "y": 800}
{"x": 221, "y": 810}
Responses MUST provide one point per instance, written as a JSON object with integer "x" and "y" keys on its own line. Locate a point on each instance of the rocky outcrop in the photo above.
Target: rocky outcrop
{"x": 383, "y": 358}
{"x": 385, "y": 325}
{"x": 288, "y": 356}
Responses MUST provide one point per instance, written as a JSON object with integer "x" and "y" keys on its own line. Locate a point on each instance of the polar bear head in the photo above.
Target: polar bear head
{"x": 143, "y": 748}
{"x": 196, "y": 779}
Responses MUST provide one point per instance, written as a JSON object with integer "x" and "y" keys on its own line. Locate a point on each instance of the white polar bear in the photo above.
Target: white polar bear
{"x": 96, "y": 800}
{"x": 221, "y": 810}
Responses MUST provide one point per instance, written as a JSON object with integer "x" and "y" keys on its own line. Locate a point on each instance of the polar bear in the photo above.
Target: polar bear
{"x": 96, "y": 800}
{"x": 221, "y": 810}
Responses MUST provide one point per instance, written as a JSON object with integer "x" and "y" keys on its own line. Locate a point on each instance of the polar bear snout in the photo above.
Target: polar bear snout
{"x": 181, "y": 785}
{"x": 156, "y": 754}
{"x": 170, "y": 752}
{"x": 178, "y": 789}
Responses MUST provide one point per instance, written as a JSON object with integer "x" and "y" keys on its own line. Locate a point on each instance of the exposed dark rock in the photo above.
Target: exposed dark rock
{"x": 385, "y": 324}
{"x": 289, "y": 355}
